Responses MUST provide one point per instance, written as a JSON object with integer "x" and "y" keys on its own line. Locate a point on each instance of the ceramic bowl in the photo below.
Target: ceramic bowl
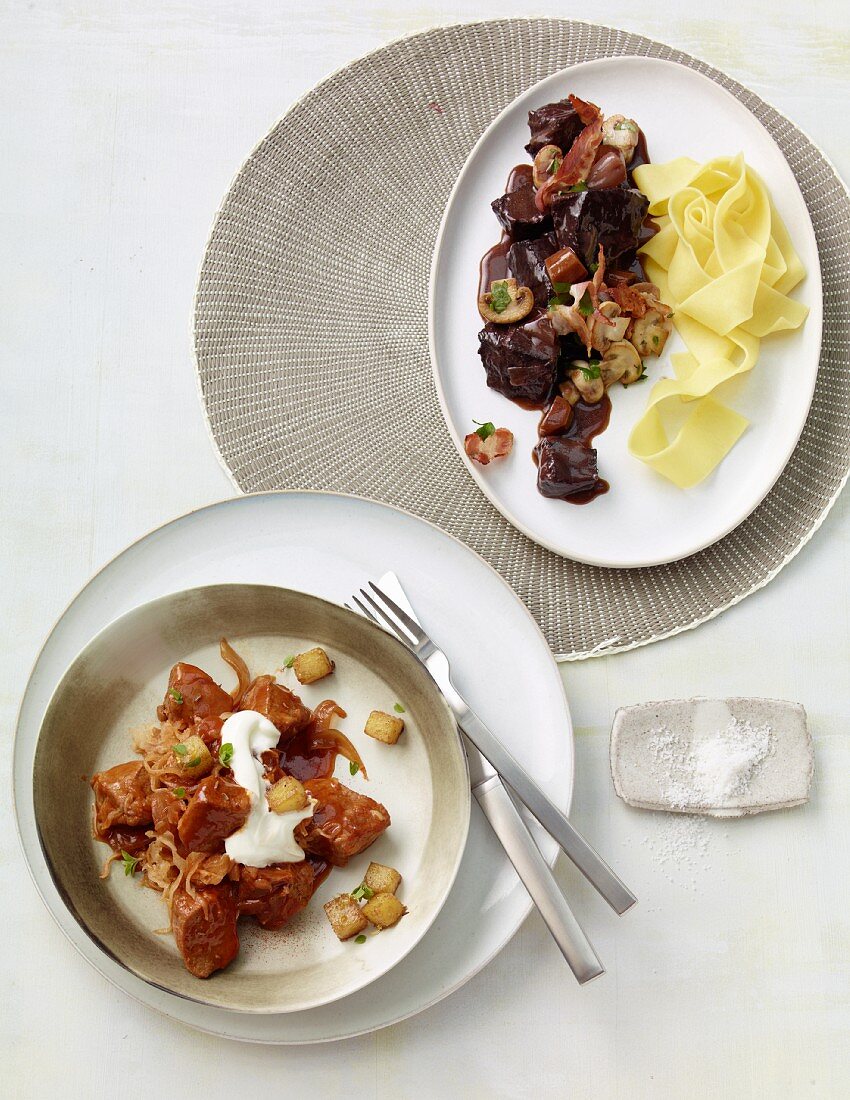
{"x": 115, "y": 685}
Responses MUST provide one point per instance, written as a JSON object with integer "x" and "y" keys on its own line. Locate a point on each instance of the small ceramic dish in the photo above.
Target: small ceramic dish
{"x": 116, "y": 683}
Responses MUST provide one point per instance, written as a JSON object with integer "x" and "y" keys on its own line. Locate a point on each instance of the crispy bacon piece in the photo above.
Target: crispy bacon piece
{"x": 639, "y": 299}
{"x": 578, "y": 160}
{"x": 588, "y": 112}
{"x": 497, "y": 445}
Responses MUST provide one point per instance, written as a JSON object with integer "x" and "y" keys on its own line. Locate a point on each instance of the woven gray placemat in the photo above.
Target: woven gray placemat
{"x": 311, "y": 323}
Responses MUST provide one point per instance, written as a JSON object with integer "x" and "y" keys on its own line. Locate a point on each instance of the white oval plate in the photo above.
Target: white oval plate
{"x": 326, "y": 545}
{"x": 644, "y": 519}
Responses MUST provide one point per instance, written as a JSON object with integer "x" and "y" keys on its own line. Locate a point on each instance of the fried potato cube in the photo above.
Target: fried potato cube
{"x": 383, "y": 910}
{"x": 345, "y": 916}
{"x": 313, "y": 665}
{"x": 287, "y": 794}
{"x": 192, "y": 758}
{"x": 384, "y": 727}
{"x": 381, "y": 879}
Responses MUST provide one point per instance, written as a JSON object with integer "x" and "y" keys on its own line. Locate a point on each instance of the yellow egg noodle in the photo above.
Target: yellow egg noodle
{"x": 724, "y": 262}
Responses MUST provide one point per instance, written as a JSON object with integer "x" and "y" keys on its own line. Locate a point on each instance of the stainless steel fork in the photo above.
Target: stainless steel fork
{"x": 378, "y": 604}
{"x": 516, "y": 839}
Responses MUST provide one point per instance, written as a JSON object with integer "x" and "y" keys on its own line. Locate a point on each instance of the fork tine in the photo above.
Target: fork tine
{"x": 409, "y": 624}
{"x": 382, "y": 615}
{"x": 363, "y": 610}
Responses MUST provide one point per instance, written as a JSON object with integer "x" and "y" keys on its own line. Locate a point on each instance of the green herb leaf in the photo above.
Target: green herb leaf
{"x": 225, "y": 754}
{"x": 500, "y": 297}
{"x": 289, "y": 662}
{"x": 585, "y": 306}
{"x": 486, "y": 430}
{"x": 626, "y": 124}
{"x": 563, "y": 294}
{"x": 580, "y": 186}
{"x": 591, "y": 370}
{"x": 181, "y": 749}
{"x": 363, "y": 892}
{"x": 398, "y": 708}
{"x": 178, "y": 792}
{"x": 554, "y": 165}
{"x": 656, "y": 340}
{"x": 360, "y": 939}
{"x": 353, "y": 767}
{"x": 129, "y": 863}
{"x": 194, "y": 762}
{"x": 594, "y": 267}
{"x": 175, "y": 695}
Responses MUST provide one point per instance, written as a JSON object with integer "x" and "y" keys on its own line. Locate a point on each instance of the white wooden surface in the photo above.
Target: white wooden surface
{"x": 120, "y": 128}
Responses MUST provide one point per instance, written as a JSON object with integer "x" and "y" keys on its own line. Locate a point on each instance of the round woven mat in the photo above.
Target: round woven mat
{"x": 311, "y": 323}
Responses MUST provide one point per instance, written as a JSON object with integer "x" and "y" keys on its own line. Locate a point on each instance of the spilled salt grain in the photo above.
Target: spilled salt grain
{"x": 711, "y": 772}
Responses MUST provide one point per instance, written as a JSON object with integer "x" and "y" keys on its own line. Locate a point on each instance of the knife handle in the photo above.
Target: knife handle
{"x": 557, "y": 824}
{"x": 537, "y": 877}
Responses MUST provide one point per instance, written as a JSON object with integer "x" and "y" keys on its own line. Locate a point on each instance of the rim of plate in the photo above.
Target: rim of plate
{"x": 804, "y": 406}
{"x": 440, "y": 702}
{"x": 442, "y": 994}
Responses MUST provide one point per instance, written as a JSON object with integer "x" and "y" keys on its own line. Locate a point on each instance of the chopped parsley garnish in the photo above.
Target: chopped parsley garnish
{"x": 398, "y": 708}
{"x": 181, "y": 749}
{"x": 591, "y": 370}
{"x": 175, "y": 695}
{"x": 554, "y": 165}
{"x": 225, "y": 754}
{"x": 194, "y": 762}
{"x": 500, "y": 297}
{"x": 594, "y": 268}
{"x": 626, "y": 124}
{"x": 655, "y": 341}
{"x": 563, "y": 294}
{"x": 360, "y": 939}
{"x": 289, "y": 662}
{"x": 178, "y": 792}
{"x": 580, "y": 186}
{"x": 585, "y": 306}
{"x": 353, "y": 767}
{"x": 363, "y": 892}
{"x": 485, "y": 430}
{"x": 129, "y": 863}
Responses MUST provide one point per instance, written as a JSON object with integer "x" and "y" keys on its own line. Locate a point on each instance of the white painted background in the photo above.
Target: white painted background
{"x": 120, "y": 128}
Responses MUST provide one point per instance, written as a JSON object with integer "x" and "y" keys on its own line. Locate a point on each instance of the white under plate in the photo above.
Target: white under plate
{"x": 327, "y": 545}
{"x": 644, "y": 519}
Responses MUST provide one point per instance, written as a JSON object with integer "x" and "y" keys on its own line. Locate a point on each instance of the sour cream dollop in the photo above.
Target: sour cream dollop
{"x": 266, "y": 837}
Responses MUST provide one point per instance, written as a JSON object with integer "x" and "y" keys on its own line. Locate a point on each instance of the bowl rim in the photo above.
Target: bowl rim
{"x": 441, "y": 706}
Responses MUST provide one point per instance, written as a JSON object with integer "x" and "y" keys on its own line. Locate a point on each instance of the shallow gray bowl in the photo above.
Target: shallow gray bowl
{"x": 115, "y": 684}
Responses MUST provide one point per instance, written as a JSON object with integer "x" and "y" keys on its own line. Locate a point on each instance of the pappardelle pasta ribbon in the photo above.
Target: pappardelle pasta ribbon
{"x": 723, "y": 260}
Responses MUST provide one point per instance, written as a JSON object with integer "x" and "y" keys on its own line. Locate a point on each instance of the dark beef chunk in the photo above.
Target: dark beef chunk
{"x": 518, "y": 214}
{"x": 122, "y": 796}
{"x": 282, "y": 707}
{"x": 611, "y": 217}
{"x": 554, "y": 124}
{"x": 192, "y": 695}
{"x": 520, "y": 360}
{"x": 565, "y": 467}
{"x": 217, "y": 808}
{"x": 275, "y": 894}
{"x": 205, "y": 927}
{"x": 527, "y": 264}
{"x": 343, "y": 824}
